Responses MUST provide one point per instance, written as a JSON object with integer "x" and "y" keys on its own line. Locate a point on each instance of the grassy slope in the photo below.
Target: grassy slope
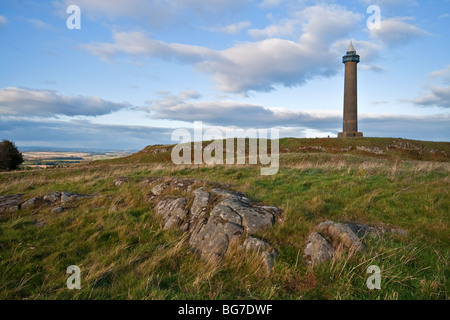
{"x": 123, "y": 253}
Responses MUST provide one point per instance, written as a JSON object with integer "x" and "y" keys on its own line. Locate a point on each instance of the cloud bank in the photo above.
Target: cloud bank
{"x": 48, "y": 103}
{"x": 289, "y": 52}
{"x": 187, "y": 107}
{"x": 437, "y": 96}
{"x": 80, "y": 134}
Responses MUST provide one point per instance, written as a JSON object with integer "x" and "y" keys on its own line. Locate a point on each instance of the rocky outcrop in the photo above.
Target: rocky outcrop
{"x": 341, "y": 236}
{"x": 10, "y": 203}
{"x": 174, "y": 213}
{"x": 58, "y": 200}
{"x": 215, "y": 218}
{"x": 331, "y": 238}
{"x": 265, "y": 250}
{"x": 362, "y": 230}
{"x": 120, "y": 181}
{"x": 317, "y": 250}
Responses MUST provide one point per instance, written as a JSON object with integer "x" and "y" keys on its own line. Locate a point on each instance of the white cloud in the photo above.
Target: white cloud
{"x": 396, "y": 31}
{"x": 253, "y": 65}
{"x": 391, "y": 3}
{"x": 378, "y": 102}
{"x": 234, "y": 28}
{"x": 442, "y": 75}
{"x": 49, "y": 103}
{"x": 154, "y": 12}
{"x": 437, "y": 97}
{"x": 270, "y": 4}
{"x": 137, "y": 44}
{"x": 3, "y": 20}
{"x": 245, "y": 115}
{"x": 233, "y": 113}
{"x": 39, "y": 24}
{"x": 286, "y": 28}
{"x": 373, "y": 68}
{"x": 316, "y": 38}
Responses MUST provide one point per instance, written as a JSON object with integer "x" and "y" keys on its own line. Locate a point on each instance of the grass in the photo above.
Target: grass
{"x": 123, "y": 253}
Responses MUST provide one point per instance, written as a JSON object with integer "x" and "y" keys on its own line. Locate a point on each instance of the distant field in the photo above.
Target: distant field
{"x": 46, "y": 159}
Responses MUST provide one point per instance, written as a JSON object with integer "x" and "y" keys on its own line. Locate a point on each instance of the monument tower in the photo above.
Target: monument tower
{"x": 350, "y": 129}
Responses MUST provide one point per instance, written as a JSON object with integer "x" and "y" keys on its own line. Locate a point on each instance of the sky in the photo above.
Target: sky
{"x": 136, "y": 70}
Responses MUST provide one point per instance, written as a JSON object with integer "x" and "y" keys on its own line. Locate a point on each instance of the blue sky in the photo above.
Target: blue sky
{"x": 138, "y": 69}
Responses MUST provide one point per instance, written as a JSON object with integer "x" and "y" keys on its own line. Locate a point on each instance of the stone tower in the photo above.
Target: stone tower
{"x": 351, "y": 60}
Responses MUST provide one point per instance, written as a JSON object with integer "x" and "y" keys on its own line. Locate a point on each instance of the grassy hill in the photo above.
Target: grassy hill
{"x": 123, "y": 253}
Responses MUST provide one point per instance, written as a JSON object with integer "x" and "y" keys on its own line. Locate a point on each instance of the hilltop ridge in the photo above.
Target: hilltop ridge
{"x": 379, "y": 148}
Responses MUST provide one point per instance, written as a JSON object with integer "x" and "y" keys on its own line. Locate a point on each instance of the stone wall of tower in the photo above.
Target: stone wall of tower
{"x": 351, "y": 97}
{"x": 350, "y": 125}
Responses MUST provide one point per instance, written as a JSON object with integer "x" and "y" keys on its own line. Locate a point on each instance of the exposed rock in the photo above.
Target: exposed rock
{"x": 216, "y": 236}
{"x": 71, "y": 197}
{"x": 52, "y": 197}
{"x": 151, "y": 180}
{"x": 10, "y": 203}
{"x": 267, "y": 253}
{"x": 15, "y": 202}
{"x": 40, "y": 223}
{"x": 276, "y": 212}
{"x": 401, "y": 232}
{"x": 255, "y": 244}
{"x": 269, "y": 260}
{"x": 374, "y": 150}
{"x": 173, "y": 212}
{"x": 333, "y": 237}
{"x": 57, "y": 210}
{"x": 216, "y": 219}
{"x": 227, "y": 194}
{"x": 159, "y": 189}
{"x": 31, "y": 203}
{"x": 14, "y": 208}
{"x": 363, "y": 230}
{"x": 119, "y": 181}
{"x": 182, "y": 184}
{"x": 160, "y": 150}
{"x": 200, "y": 204}
{"x": 226, "y": 213}
{"x": 317, "y": 250}
{"x": 340, "y": 235}
{"x": 253, "y": 218}
{"x": 199, "y": 213}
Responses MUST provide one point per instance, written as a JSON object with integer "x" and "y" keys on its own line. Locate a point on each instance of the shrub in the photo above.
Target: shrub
{"x": 10, "y": 157}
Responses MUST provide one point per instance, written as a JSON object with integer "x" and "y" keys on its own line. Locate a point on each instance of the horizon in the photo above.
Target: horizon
{"x": 137, "y": 70}
{"x": 93, "y": 150}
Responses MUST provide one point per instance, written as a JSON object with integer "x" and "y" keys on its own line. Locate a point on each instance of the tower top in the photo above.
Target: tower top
{"x": 351, "y": 48}
{"x": 351, "y": 55}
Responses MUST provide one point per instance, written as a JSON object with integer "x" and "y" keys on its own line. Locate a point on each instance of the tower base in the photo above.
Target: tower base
{"x": 350, "y": 134}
